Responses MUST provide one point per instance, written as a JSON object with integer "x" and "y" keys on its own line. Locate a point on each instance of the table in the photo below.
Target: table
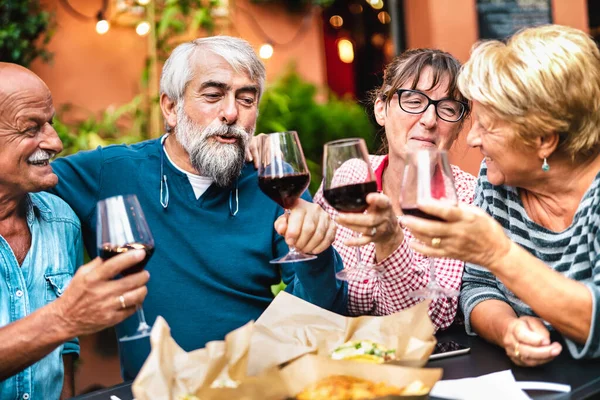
{"x": 484, "y": 358}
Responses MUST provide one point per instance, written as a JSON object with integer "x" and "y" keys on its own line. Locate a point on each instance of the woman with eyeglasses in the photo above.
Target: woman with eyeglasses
{"x": 419, "y": 107}
{"x": 532, "y": 248}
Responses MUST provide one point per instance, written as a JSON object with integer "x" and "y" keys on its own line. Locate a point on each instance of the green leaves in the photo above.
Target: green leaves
{"x": 25, "y": 30}
{"x": 290, "y": 104}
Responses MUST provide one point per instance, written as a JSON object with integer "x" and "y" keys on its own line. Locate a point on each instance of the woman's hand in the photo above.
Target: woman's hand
{"x": 466, "y": 233}
{"x": 378, "y": 224}
{"x": 527, "y": 342}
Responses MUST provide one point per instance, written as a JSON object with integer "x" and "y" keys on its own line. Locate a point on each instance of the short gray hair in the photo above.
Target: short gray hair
{"x": 177, "y": 71}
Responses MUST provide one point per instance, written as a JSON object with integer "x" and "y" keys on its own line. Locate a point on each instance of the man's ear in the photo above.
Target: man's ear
{"x": 169, "y": 110}
{"x": 379, "y": 109}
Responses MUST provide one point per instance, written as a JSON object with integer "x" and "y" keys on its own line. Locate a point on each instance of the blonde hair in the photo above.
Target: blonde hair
{"x": 542, "y": 80}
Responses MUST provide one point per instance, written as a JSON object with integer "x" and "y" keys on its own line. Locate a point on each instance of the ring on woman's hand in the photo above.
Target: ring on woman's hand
{"x": 373, "y": 231}
{"x": 122, "y": 301}
{"x": 517, "y": 353}
{"x": 436, "y": 242}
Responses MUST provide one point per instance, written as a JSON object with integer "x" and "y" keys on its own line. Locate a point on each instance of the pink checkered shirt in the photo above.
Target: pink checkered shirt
{"x": 404, "y": 270}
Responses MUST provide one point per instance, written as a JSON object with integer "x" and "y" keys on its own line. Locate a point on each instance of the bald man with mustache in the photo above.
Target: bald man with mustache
{"x": 44, "y": 303}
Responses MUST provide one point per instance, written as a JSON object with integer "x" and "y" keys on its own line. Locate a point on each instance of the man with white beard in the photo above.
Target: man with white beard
{"x": 215, "y": 231}
{"x": 44, "y": 303}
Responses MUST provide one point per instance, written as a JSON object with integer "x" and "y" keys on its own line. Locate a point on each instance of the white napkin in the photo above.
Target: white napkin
{"x": 498, "y": 385}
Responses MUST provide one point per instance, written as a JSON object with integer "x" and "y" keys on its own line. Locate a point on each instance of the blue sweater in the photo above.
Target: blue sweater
{"x": 210, "y": 271}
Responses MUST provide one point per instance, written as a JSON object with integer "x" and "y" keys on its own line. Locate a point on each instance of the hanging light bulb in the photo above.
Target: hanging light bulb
{"x": 143, "y": 2}
{"x": 102, "y": 26}
{"x": 265, "y": 51}
{"x": 142, "y": 28}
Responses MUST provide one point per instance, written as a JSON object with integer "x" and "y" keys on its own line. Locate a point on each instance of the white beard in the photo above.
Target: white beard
{"x": 222, "y": 162}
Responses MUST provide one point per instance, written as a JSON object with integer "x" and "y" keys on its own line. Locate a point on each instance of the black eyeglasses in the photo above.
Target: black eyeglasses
{"x": 415, "y": 102}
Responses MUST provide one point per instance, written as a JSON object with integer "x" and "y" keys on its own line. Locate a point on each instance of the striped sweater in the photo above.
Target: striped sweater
{"x": 574, "y": 252}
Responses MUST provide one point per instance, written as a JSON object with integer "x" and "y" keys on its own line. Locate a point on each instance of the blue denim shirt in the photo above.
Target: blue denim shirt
{"x": 55, "y": 253}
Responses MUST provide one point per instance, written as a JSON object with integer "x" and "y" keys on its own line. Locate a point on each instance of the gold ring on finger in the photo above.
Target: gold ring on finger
{"x": 517, "y": 352}
{"x": 122, "y": 301}
{"x": 436, "y": 242}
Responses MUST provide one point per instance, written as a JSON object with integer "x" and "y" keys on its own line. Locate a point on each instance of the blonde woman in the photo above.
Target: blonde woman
{"x": 532, "y": 251}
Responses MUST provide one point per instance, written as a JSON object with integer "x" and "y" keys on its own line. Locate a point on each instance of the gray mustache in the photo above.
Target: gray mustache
{"x": 227, "y": 130}
{"x": 41, "y": 155}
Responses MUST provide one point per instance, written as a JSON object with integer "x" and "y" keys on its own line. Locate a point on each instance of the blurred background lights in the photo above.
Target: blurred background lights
{"x": 142, "y": 28}
{"x": 143, "y": 2}
{"x": 102, "y": 26}
{"x": 384, "y": 17}
{"x": 355, "y": 8}
{"x": 336, "y": 21}
{"x": 376, "y": 4}
{"x": 266, "y": 51}
{"x": 345, "y": 50}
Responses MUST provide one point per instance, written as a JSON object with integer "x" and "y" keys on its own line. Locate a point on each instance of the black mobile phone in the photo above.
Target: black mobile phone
{"x": 448, "y": 349}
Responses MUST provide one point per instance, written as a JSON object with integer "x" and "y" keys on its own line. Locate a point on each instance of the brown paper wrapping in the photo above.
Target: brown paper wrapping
{"x": 288, "y": 329}
{"x": 291, "y": 327}
{"x": 170, "y": 372}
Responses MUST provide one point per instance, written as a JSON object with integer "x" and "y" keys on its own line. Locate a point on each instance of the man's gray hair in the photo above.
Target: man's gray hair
{"x": 177, "y": 71}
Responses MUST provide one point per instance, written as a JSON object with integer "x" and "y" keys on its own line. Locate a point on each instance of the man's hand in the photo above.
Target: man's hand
{"x": 308, "y": 228}
{"x": 92, "y": 301}
{"x": 252, "y": 152}
{"x": 527, "y": 342}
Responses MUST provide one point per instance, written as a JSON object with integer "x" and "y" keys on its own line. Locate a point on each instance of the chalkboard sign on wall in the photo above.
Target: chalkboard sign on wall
{"x": 499, "y": 19}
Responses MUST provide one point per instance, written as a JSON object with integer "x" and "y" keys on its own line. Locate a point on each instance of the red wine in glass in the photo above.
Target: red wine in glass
{"x": 350, "y": 198}
{"x": 416, "y": 212}
{"x": 286, "y": 189}
{"x": 427, "y": 177}
{"x": 122, "y": 227}
{"x": 283, "y": 177}
{"x": 109, "y": 251}
{"x": 347, "y": 180}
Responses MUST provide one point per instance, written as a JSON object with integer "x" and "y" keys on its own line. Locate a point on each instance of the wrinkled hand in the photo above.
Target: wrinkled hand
{"x": 308, "y": 227}
{"x": 252, "y": 151}
{"x": 91, "y": 301}
{"x": 527, "y": 342}
{"x": 467, "y": 233}
{"x": 379, "y": 215}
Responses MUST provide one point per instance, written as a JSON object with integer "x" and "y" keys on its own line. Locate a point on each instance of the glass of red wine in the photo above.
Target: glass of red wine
{"x": 347, "y": 180}
{"x": 283, "y": 176}
{"x": 122, "y": 227}
{"x": 428, "y": 176}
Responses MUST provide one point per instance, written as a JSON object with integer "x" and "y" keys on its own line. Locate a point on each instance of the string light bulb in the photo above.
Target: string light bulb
{"x": 345, "y": 51}
{"x": 142, "y": 28}
{"x": 143, "y": 2}
{"x": 102, "y": 26}
{"x": 266, "y": 51}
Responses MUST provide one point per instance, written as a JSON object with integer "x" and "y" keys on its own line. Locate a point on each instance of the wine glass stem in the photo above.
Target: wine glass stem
{"x": 143, "y": 327}
{"x": 432, "y": 281}
{"x": 292, "y": 249}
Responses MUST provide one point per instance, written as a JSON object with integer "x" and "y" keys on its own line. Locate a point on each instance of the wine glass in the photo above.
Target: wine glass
{"x": 347, "y": 180}
{"x": 122, "y": 227}
{"x": 428, "y": 176}
{"x": 283, "y": 176}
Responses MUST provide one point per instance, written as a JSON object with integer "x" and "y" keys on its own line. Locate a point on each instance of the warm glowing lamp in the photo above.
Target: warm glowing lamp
{"x": 142, "y": 28}
{"x": 102, "y": 26}
{"x": 266, "y": 51}
{"x": 345, "y": 50}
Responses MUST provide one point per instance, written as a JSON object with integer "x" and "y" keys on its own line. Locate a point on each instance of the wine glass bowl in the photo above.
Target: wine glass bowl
{"x": 428, "y": 177}
{"x": 122, "y": 227}
{"x": 347, "y": 180}
{"x": 283, "y": 177}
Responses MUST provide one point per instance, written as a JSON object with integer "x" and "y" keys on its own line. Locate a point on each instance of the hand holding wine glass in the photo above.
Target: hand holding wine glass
{"x": 347, "y": 180}
{"x": 428, "y": 176}
{"x": 122, "y": 227}
{"x": 283, "y": 177}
